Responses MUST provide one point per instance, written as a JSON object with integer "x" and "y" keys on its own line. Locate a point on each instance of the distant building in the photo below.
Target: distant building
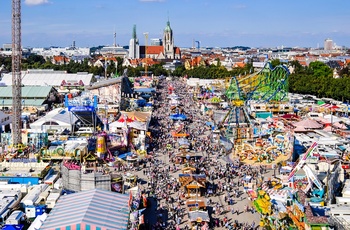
{"x": 156, "y": 42}
{"x": 7, "y": 50}
{"x": 168, "y": 44}
{"x": 328, "y": 44}
{"x": 32, "y": 96}
{"x": 172, "y": 65}
{"x": 134, "y": 46}
{"x": 7, "y": 47}
{"x": 116, "y": 51}
{"x": 61, "y": 51}
{"x": 49, "y": 77}
{"x": 162, "y": 49}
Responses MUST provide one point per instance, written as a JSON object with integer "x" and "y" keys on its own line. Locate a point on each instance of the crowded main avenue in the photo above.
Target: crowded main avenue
{"x": 178, "y": 153}
{"x": 192, "y": 183}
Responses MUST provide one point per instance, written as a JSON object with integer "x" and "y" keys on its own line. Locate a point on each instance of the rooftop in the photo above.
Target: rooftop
{"x": 98, "y": 208}
{"x": 22, "y": 169}
{"x": 48, "y": 78}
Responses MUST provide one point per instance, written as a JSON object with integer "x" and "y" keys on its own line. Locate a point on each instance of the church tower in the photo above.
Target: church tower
{"x": 134, "y": 47}
{"x": 168, "y": 42}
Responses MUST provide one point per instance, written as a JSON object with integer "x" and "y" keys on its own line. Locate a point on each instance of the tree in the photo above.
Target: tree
{"x": 320, "y": 69}
{"x": 275, "y": 62}
{"x": 179, "y": 71}
{"x": 298, "y": 68}
{"x": 218, "y": 62}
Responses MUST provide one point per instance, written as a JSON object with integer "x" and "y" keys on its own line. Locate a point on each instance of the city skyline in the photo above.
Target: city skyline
{"x": 222, "y": 23}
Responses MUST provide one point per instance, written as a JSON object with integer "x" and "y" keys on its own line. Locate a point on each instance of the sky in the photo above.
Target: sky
{"x": 215, "y": 23}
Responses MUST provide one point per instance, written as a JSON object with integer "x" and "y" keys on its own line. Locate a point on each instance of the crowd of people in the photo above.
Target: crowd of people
{"x": 228, "y": 204}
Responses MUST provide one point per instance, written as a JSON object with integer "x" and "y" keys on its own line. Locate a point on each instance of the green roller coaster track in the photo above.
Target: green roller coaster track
{"x": 268, "y": 85}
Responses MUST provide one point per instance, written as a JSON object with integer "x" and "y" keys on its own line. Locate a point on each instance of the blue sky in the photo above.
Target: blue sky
{"x": 254, "y": 23}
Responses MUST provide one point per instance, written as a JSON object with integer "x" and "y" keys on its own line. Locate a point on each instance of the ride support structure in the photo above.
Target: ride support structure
{"x": 16, "y": 73}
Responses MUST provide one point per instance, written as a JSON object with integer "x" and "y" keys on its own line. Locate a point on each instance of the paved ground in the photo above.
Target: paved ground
{"x": 240, "y": 203}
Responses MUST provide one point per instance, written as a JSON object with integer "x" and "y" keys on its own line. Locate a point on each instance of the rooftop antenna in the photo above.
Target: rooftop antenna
{"x": 115, "y": 38}
{"x": 134, "y": 36}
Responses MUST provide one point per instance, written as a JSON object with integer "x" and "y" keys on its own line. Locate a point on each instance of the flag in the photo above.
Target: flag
{"x": 144, "y": 200}
{"x": 130, "y": 199}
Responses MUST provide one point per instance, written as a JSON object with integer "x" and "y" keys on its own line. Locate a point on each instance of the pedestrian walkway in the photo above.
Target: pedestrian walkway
{"x": 162, "y": 173}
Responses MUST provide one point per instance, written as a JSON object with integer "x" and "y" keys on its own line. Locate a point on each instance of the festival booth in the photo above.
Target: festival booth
{"x": 194, "y": 184}
{"x": 188, "y": 170}
{"x": 138, "y": 128}
{"x": 185, "y": 157}
{"x": 178, "y": 131}
{"x": 117, "y": 183}
{"x": 132, "y": 161}
{"x": 119, "y": 132}
{"x": 138, "y": 204}
{"x": 196, "y": 204}
{"x": 130, "y": 180}
{"x": 199, "y": 220}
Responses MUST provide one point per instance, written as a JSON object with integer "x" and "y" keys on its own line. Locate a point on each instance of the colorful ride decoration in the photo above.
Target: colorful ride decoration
{"x": 101, "y": 147}
{"x": 267, "y": 85}
{"x": 262, "y": 203}
{"x": 214, "y": 100}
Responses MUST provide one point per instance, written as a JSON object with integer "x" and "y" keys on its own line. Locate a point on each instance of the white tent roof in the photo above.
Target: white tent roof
{"x": 48, "y": 77}
{"x": 60, "y": 115}
{"x": 117, "y": 124}
{"x": 39, "y": 220}
{"x": 332, "y": 118}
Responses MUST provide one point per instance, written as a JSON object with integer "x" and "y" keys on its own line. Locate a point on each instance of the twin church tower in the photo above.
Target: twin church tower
{"x": 165, "y": 48}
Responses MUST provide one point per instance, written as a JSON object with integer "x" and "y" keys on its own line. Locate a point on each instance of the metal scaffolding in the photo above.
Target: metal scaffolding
{"x": 338, "y": 223}
{"x": 16, "y": 72}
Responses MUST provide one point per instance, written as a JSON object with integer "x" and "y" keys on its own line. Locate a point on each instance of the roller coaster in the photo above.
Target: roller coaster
{"x": 268, "y": 84}
{"x": 265, "y": 86}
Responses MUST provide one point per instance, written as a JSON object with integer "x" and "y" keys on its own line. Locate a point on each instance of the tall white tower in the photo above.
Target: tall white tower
{"x": 168, "y": 42}
{"x": 328, "y": 44}
{"x": 134, "y": 46}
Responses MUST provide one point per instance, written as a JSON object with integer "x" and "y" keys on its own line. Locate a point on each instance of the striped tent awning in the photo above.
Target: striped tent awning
{"x": 93, "y": 209}
{"x": 272, "y": 191}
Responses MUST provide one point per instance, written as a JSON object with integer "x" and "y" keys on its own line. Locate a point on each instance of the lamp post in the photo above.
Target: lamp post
{"x": 106, "y": 117}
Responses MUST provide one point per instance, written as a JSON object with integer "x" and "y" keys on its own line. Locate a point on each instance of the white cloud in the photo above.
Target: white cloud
{"x": 35, "y": 2}
{"x": 239, "y": 6}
